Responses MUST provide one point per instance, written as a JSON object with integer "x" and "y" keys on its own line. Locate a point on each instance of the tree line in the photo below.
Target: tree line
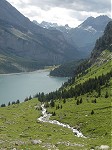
{"x": 16, "y": 102}
{"x": 92, "y": 84}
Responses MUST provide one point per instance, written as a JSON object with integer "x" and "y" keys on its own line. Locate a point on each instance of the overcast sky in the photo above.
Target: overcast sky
{"x": 71, "y": 12}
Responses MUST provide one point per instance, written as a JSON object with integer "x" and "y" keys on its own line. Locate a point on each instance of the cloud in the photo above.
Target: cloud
{"x": 72, "y": 12}
{"x": 77, "y": 5}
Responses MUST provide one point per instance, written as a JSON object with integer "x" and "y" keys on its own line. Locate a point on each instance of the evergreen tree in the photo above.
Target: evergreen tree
{"x": 95, "y": 101}
{"x": 30, "y": 97}
{"x": 78, "y": 102}
{"x": 92, "y": 112}
{"x": 8, "y": 103}
{"x": 3, "y": 105}
{"x": 26, "y": 99}
{"x": 99, "y": 90}
{"x": 53, "y": 113}
{"x": 17, "y": 102}
{"x": 64, "y": 101}
{"x": 46, "y": 105}
{"x": 13, "y": 102}
{"x": 106, "y": 95}
{"x": 58, "y": 106}
{"x": 52, "y": 103}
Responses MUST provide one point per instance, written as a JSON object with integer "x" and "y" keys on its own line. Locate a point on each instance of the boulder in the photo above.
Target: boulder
{"x": 35, "y": 142}
{"x": 104, "y": 147}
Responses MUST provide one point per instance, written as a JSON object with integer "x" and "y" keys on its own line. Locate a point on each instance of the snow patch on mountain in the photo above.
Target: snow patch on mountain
{"x": 87, "y": 28}
{"x": 90, "y": 29}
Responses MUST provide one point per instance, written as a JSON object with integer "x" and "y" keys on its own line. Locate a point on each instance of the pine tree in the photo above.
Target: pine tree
{"x": 106, "y": 95}
{"x": 99, "y": 91}
{"x": 77, "y": 102}
{"x": 13, "y": 102}
{"x": 58, "y": 107}
{"x": 92, "y": 112}
{"x": 52, "y": 103}
{"x": 46, "y": 104}
{"x": 64, "y": 101}
{"x": 8, "y": 103}
{"x": 30, "y": 97}
{"x": 26, "y": 99}
{"x": 17, "y": 102}
{"x": 95, "y": 101}
{"x": 3, "y": 105}
{"x": 53, "y": 113}
{"x": 80, "y": 100}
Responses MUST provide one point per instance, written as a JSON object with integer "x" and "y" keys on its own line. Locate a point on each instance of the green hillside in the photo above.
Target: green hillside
{"x": 74, "y": 110}
{"x": 89, "y": 113}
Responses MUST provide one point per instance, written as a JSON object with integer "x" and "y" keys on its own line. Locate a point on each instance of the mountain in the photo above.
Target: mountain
{"x": 103, "y": 43}
{"x": 48, "y": 25}
{"x": 83, "y": 104}
{"x": 95, "y": 24}
{"x": 85, "y": 35}
{"x": 101, "y": 53}
{"x": 26, "y": 46}
{"x": 53, "y": 26}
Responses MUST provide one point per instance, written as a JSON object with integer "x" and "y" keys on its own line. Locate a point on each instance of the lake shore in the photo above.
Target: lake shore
{"x": 29, "y": 72}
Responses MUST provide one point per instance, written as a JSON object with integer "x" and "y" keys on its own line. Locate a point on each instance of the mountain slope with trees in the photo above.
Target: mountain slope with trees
{"x": 85, "y": 35}
{"x": 21, "y": 38}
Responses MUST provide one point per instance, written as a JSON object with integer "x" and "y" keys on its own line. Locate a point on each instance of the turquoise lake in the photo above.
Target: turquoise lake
{"x": 20, "y": 86}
